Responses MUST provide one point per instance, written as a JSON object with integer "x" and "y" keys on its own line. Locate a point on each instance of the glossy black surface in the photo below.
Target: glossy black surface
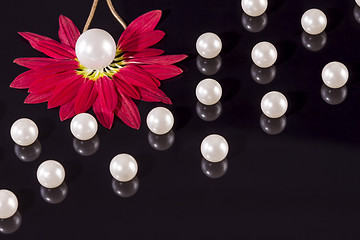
{"x": 303, "y": 183}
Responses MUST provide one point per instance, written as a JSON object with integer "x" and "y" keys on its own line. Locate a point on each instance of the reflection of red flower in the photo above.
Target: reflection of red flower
{"x": 135, "y": 73}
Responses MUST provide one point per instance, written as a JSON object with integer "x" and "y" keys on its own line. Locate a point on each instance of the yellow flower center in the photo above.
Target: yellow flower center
{"x": 108, "y": 71}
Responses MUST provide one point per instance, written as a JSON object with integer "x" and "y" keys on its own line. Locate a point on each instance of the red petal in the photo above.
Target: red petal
{"x": 67, "y": 110}
{"x": 86, "y": 97}
{"x": 48, "y": 83}
{"x": 49, "y": 46}
{"x": 161, "y": 60}
{"x": 106, "y": 93}
{"x": 65, "y": 91}
{"x": 153, "y": 95}
{"x": 148, "y": 52}
{"x": 162, "y": 72}
{"x": 68, "y": 32}
{"x": 128, "y": 112}
{"x": 37, "y": 62}
{"x": 104, "y": 116}
{"x": 136, "y": 76}
{"x": 145, "y": 23}
{"x": 56, "y": 50}
{"x": 26, "y": 79}
{"x": 125, "y": 88}
{"x": 34, "y": 38}
{"x": 105, "y": 102}
{"x": 34, "y": 98}
{"x": 142, "y": 41}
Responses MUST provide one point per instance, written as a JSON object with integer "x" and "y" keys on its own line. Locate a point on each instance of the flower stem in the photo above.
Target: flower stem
{"x": 115, "y": 14}
{"x": 91, "y": 15}
{"x": 112, "y": 9}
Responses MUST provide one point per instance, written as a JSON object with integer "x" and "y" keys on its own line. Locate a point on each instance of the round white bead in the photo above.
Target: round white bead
{"x": 208, "y": 91}
{"x": 357, "y": 2}
{"x": 214, "y": 148}
{"x": 274, "y": 104}
{"x": 335, "y": 74}
{"x": 313, "y": 21}
{"x": 123, "y": 167}
{"x": 95, "y": 49}
{"x": 8, "y": 203}
{"x": 254, "y": 8}
{"x": 24, "y": 132}
{"x": 50, "y": 174}
{"x": 83, "y": 126}
{"x": 208, "y": 45}
{"x": 160, "y": 120}
{"x": 264, "y": 54}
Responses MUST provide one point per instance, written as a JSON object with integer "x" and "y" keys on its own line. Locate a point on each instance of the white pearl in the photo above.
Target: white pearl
{"x": 160, "y": 120}
{"x": 254, "y": 8}
{"x": 83, "y": 126}
{"x": 208, "y": 45}
{"x": 264, "y": 54}
{"x": 357, "y": 2}
{"x": 208, "y": 91}
{"x": 123, "y": 167}
{"x": 335, "y": 74}
{"x": 95, "y": 49}
{"x": 24, "y": 132}
{"x": 214, "y": 148}
{"x": 274, "y": 104}
{"x": 50, "y": 174}
{"x": 313, "y": 21}
{"x": 8, "y": 203}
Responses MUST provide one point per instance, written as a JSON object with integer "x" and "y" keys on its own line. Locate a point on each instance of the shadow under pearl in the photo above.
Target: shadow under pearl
{"x": 209, "y": 113}
{"x": 254, "y": 24}
{"x": 88, "y": 147}
{"x": 263, "y": 75}
{"x": 272, "y": 126}
{"x": 161, "y": 142}
{"x": 333, "y": 96}
{"x": 125, "y": 189}
{"x": 12, "y": 224}
{"x": 214, "y": 170}
{"x": 314, "y": 43}
{"x": 28, "y": 153}
{"x": 54, "y": 195}
{"x": 209, "y": 66}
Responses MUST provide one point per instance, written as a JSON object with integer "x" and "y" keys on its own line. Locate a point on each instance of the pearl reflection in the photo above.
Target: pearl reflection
{"x": 333, "y": 96}
{"x": 254, "y": 24}
{"x": 125, "y": 189}
{"x": 357, "y": 13}
{"x": 208, "y": 112}
{"x": 263, "y": 75}
{"x": 161, "y": 142}
{"x": 88, "y": 147}
{"x": 28, "y": 153}
{"x": 314, "y": 43}
{"x": 214, "y": 170}
{"x": 272, "y": 126}
{"x": 10, "y": 225}
{"x": 54, "y": 195}
{"x": 208, "y": 66}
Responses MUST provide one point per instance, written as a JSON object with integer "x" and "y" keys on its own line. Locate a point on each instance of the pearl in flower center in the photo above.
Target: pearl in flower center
{"x": 95, "y": 49}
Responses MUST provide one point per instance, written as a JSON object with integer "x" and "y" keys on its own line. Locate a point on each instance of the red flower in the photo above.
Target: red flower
{"x": 135, "y": 73}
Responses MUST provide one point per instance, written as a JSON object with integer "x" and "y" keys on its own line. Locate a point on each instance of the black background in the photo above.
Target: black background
{"x": 303, "y": 183}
